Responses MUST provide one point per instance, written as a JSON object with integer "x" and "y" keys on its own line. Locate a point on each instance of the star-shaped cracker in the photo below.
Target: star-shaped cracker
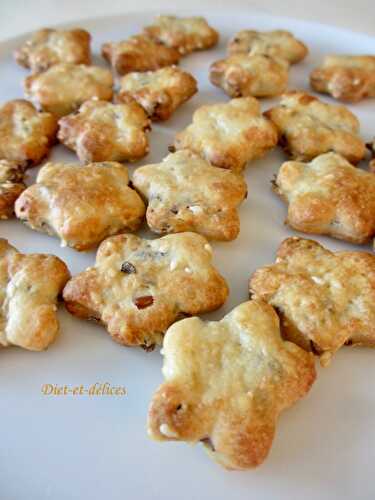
{"x": 47, "y": 47}
{"x": 279, "y": 44}
{"x": 186, "y": 193}
{"x": 325, "y": 299}
{"x": 159, "y": 92}
{"x": 11, "y": 186}
{"x": 186, "y": 34}
{"x": 29, "y": 288}
{"x": 309, "y": 127}
{"x": 348, "y": 78}
{"x": 82, "y": 205}
{"x": 139, "y": 287}
{"x": 329, "y": 196}
{"x": 64, "y": 87}
{"x": 228, "y": 135}
{"x": 226, "y": 383}
{"x": 138, "y": 53}
{"x": 26, "y": 135}
{"x": 242, "y": 75}
{"x": 102, "y": 131}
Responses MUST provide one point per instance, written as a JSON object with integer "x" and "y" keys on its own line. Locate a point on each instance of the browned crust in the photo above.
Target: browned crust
{"x": 209, "y": 396}
{"x": 138, "y": 53}
{"x": 329, "y": 196}
{"x": 190, "y": 288}
{"x": 30, "y": 148}
{"x": 183, "y": 34}
{"x": 11, "y": 186}
{"x": 29, "y": 311}
{"x": 325, "y": 299}
{"x": 308, "y": 127}
{"x": 48, "y": 46}
{"x": 168, "y": 89}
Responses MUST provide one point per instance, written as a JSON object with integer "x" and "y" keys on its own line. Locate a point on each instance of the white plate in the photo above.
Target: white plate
{"x": 67, "y": 447}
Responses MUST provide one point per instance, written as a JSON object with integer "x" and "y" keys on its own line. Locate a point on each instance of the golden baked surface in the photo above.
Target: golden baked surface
{"x": 184, "y": 34}
{"x": 159, "y": 92}
{"x": 102, "y": 131}
{"x": 64, "y": 87}
{"x": 82, "y": 205}
{"x": 26, "y": 135}
{"x": 329, "y": 196}
{"x": 242, "y": 75}
{"x": 186, "y": 193}
{"x": 138, "y": 53}
{"x": 309, "y": 127}
{"x": 226, "y": 383}
{"x": 279, "y": 44}
{"x": 348, "y": 78}
{"x": 47, "y": 47}
{"x": 11, "y": 186}
{"x": 325, "y": 299}
{"x": 139, "y": 287}
{"x": 228, "y": 135}
{"x": 29, "y": 287}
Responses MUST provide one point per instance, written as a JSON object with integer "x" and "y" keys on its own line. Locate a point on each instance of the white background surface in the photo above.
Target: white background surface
{"x": 66, "y": 448}
{"x": 19, "y": 16}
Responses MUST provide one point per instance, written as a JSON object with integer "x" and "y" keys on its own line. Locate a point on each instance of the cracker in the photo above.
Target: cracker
{"x": 309, "y": 127}
{"x": 139, "y": 287}
{"x": 329, "y": 196}
{"x": 29, "y": 288}
{"x": 159, "y": 92}
{"x": 82, "y": 205}
{"x": 64, "y": 87}
{"x": 47, "y": 47}
{"x": 226, "y": 382}
{"x": 11, "y": 186}
{"x": 138, "y": 53}
{"x": 279, "y": 44}
{"x": 185, "y": 34}
{"x": 186, "y": 193}
{"x": 243, "y": 75}
{"x": 229, "y": 135}
{"x": 325, "y": 299}
{"x": 347, "y": 78}
{"x": 102, "y": 131}
{"x": 26, "y": 135}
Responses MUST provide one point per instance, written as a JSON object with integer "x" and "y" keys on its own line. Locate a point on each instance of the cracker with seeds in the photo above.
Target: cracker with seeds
{"x": 329, "y": 196}
{"x": 82, "y": 205}
{"x": 64, "y": 87}
{"x": 226, "y": 382}
{"x": 325, "y": 299}
{"x": 347, "y": 78}
{"x": 26, "y": 135}
{"x": 228, "y": 135}
{"x": 243, "y": 75}
{"x": 139, "y": 287}
{"x": 159, "y": 92}
{"x": 186, "y": 193}
{"x": 309, "y": 127}
{"x": 29, "y": 288}
{"x": 185, "y": 34}
{"x": 279, "y": 44}
{"x": 47, "y": 47}
{"x": 102, "y": 131}
{"x": 138, "y": 53}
